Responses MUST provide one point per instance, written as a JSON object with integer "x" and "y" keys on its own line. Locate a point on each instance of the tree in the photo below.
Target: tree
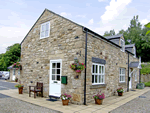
{"x": 110, "y": 33}
{"x": 11, "y": 56}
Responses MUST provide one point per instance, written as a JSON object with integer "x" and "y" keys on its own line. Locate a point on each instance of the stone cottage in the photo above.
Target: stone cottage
{"x": 54, "y": 42}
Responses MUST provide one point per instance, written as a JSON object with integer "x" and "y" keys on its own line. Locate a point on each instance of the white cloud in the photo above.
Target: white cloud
{"x": 88, "y": 4}
{"x": 144, "y": 21}
{"x": 81, "y": 16}
{"x": 65, "y": 14}
{"x": 91, "y": 22}
{"x": 102, "y": 0}
{"x": 114, "y": 9}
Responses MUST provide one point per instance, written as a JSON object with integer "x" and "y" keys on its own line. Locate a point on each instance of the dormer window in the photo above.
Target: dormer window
{"x": 45, "y": 30}
{"x": 122, "y": 43}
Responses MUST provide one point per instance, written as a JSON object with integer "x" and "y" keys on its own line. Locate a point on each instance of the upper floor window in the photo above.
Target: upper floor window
{"x": 45, "y": 30}
{"x": 122, "y": 75}
{"x": 98, "y": 74}
{"x": 122, "y": 43}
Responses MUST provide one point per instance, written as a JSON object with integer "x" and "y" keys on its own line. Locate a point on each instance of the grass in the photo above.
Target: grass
{"x": 147, "y": 84}
{"x": 145, "y": 69}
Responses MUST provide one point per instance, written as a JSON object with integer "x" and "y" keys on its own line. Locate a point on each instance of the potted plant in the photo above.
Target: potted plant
{"x": 120, "y": 91}
{"x": 77, "y": 66}
{"x": 99, "y": 98}
{"x": 16, "y": 79}
{"x": 20, "y": 88}
{"x": 65, "y": 98}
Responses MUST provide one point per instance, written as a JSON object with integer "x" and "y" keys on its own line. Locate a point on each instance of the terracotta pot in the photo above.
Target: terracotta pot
{"x": 99, "y": 101}
{"x": 20, "y": 90}
{"x": 65, "y": 102}
{"x": 95, "y": 101}
{"x": 120, "y": 93}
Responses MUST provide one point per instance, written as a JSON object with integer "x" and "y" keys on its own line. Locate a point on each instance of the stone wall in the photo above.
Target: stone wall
{"x": 145, "y": 77}
{"x": 36, "y": 54}
{"x": 115, "y": 59}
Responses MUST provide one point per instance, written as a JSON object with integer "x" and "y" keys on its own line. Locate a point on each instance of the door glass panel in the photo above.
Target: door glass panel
{"x": 58, "y": 77}
{"x": 53, "y": 71}
{"x": 53, "y": 77}
{"x": 58, "y": 71}
{"x": 58, "y": 65}
{"x": 53, "y": 65}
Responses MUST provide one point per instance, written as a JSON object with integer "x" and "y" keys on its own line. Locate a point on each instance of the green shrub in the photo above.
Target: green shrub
{"x": 147, "y": 84}
{"x": 145, "y": 69}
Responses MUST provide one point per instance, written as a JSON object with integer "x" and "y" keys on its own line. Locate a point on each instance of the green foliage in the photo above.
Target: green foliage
{"x": 147, "y": 84}
{"x": 137, "y": 35}
{"x": 145, "y": 68}
{"x": 11, "y": 56}
{"x": 148, "y": 26}
{"x": 110, "y": 33}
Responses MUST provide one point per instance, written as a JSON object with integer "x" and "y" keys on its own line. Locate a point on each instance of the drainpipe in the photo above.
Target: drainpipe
{"x": 128, "y": 75}
{"x": 85, "y": 66}
{"x": 139, "y": 75}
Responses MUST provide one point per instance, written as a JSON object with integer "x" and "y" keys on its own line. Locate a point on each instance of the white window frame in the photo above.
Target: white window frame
{"x": 123, "y": 47}
{"x": 44, "y": 24}
{"x": 102, "y": 74}
{"x": 122, "y": 75}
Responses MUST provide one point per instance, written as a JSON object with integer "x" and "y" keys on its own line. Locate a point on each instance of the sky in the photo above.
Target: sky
{"x": 18, "y": 16}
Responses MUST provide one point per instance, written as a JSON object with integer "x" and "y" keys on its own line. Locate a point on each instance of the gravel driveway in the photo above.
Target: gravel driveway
{"x": 12, "y": 105}
{"x": 137, "y": 105}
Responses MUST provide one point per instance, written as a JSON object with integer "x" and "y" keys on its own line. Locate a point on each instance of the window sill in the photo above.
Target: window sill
{"x": 122, "y": 83}
{"x": 95, "y": 86}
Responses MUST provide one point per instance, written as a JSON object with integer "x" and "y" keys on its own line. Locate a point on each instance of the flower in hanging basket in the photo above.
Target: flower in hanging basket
{"x": 16, "y": 65}
{"x": 78, "y": 67}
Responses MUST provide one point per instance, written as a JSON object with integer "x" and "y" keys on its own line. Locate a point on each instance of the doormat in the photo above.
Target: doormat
{"x": 53, "y": 100}
{"x": 133, "y": 90}
{"x": 142, "y": 97}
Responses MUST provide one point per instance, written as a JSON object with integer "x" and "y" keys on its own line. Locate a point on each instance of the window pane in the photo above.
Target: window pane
{"x": 100, "y": 69}
{"x": 42, "y": 34}
{"x": 46, "y": 33}
{"x": 100, "y": 79}
{"x": 120, "y": 78}
{"x": 96, "y": 69}
{"x": 95, "y": 78}
{"x": 120, "y": 70}
{"x": 58, "y": 77}
{"x": 53, "y": 65}
{"x": 92, "y": 78}
{"x": 47, "y": 26}
{"x": 53, "y": 71}
{"x": 43, "y": 27}
{"x": 93, "y": 68}
{"x": 58, "y": 71}
{"x": 53, "y": 77}
{"x": 58, "y": 65}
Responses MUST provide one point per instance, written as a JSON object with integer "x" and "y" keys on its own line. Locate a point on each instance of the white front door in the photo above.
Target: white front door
{"x": 55, "y": 78}
{"x": 13, "y": 75}
{"x": 130, "y": 82}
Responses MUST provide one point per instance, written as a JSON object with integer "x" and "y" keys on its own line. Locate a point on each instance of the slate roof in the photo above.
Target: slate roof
{"x": 134, "y": 65}
{"x": 114, "y": 36}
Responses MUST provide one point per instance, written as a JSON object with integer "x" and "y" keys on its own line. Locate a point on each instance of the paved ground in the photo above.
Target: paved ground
{"x": 13, "y": 105}
{"x": 140, "y": 104}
